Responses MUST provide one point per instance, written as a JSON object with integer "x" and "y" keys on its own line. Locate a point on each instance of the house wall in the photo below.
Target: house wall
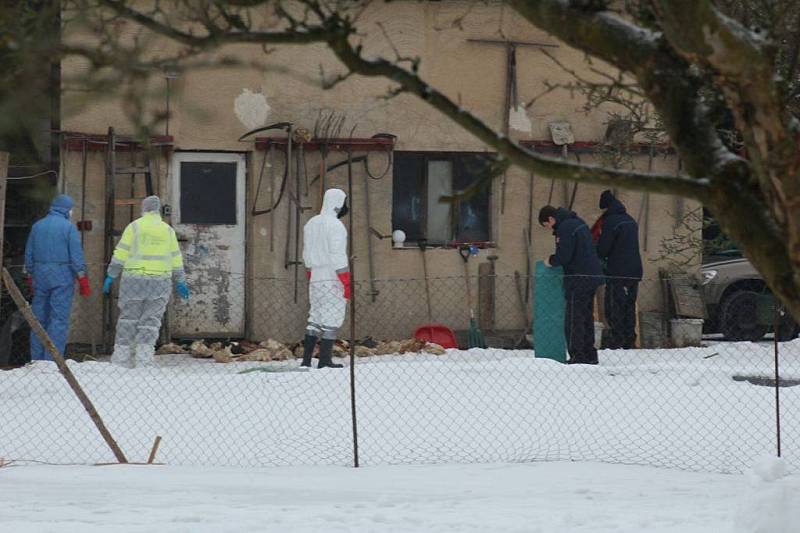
{"x": 213, "y": 107}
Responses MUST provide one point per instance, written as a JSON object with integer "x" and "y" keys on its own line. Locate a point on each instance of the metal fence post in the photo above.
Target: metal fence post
{"x": 352, "y": 312}
{"x": 3, "y": 184}
{"x": 776, "y": 329}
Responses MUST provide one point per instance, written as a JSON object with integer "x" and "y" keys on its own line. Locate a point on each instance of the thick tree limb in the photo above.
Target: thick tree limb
{"x": 718, "y": 178}
{"x": 743, "y": 66}
{"x": 664, "y": 76}
{"x": 551, "y": 167}
{"x": 337, "y": 32}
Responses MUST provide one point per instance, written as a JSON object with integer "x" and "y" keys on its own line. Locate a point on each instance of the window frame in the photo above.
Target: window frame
{"x": 452, "y": 157}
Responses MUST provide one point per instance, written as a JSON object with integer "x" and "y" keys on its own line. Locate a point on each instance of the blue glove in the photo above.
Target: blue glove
{"x": 182, "y": 289}
{"x": 107, "y": 284}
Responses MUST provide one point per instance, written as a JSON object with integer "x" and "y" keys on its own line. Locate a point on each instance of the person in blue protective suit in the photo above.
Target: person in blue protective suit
{"x": 53, "y": 261}
{"x": 583, "y": 274}
{"x": 618, "y": 245}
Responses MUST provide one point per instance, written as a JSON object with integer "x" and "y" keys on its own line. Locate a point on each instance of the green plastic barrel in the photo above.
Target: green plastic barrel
{"x": 548, "y": 314}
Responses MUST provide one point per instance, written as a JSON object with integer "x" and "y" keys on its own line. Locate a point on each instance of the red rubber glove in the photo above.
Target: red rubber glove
{"x": 344, "y": 277}
{"x": 308, "y": 275}
{"x": 83, "y": 284}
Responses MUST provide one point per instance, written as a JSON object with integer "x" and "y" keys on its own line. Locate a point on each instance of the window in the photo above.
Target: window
{"x": 421, "y": 179}
{"x": 208, "y": 193}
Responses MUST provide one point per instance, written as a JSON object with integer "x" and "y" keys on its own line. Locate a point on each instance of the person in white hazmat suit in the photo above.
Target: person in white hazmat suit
{"x": 149, "y": 260}
{"x": 328, "y": 271}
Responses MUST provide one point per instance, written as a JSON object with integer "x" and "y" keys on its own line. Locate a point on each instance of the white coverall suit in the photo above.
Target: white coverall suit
{"x": 325, "y": 255}
{"x": 149, "y": 259}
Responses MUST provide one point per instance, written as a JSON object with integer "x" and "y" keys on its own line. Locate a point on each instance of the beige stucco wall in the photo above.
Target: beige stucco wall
{"x": 204, "y": 117}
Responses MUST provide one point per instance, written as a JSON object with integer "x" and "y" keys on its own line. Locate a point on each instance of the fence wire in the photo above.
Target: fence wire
{"x": 669, "y": 390}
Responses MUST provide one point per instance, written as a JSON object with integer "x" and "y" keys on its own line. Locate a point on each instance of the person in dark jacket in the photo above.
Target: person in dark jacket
{"x": 618, "y": 246}
{"x": 583, "y": 274}
{"x": 54, "y": 261}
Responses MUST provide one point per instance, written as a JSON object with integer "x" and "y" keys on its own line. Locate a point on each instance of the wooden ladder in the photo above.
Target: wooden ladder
{"x": 111, "y": 232}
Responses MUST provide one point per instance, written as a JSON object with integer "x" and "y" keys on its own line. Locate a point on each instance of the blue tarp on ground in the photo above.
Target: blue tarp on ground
{"x": 548, "y": 314}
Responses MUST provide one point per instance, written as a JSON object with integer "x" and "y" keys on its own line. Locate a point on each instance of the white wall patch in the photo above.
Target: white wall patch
{"x": 518, "y": 119}
{"x": 251, "y": 109}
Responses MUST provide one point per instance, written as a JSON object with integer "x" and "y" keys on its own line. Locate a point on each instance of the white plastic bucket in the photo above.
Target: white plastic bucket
{"x": 686, "y": 332}
{"x": 598, "y": 334}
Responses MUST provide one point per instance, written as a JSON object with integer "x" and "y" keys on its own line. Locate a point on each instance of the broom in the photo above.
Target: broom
{"x": 474, "y": 336}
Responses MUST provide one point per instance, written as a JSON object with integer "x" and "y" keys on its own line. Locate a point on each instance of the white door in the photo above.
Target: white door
{"x": 208, "y": 214}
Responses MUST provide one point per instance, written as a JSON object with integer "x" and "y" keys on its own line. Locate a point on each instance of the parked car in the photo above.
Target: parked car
{"x": 738, "y": 303}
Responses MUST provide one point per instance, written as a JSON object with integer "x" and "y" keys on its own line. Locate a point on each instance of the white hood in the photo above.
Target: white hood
{"x": 325, "y": 239}
{"x": 333, "y": 200}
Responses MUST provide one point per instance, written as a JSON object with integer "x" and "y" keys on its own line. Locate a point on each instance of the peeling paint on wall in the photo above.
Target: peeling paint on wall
{"x": 251, "y": 108}
{"x": 210, "y": 277}
{"x": 518, "y": 120}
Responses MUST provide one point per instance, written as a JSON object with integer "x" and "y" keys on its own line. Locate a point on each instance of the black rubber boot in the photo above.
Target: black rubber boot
{"x": 309, "y": 343}
{"x": 325, "y": 351}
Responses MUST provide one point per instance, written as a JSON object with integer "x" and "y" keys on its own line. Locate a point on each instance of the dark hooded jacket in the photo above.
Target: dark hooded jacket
{"x": 619, "y": 240}
{"x": 575, "y": 252}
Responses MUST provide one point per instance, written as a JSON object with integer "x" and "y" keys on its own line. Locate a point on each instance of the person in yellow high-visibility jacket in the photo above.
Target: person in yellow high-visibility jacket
{"x": 149, "y": 259}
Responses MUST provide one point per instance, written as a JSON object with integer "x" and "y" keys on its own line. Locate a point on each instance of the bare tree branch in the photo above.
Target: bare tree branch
{"x": 300, "y": 35}
{"x": 554, "y": 168}
{"x": 645, "y": 55}
{"x": 743, "y": 65}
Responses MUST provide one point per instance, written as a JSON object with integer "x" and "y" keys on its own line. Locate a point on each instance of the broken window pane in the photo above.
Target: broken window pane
{"x": 440, "y": 184}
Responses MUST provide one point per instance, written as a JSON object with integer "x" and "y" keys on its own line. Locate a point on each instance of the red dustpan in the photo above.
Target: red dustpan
{"x": 438, "y": 333}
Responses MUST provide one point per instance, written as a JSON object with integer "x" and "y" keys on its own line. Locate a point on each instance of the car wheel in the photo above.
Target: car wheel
{"x": 788, "y": 329}
{"x": 737, "y": 317}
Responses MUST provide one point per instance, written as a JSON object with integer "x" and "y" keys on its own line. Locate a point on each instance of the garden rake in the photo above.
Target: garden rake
{"x": 327, "y": 128}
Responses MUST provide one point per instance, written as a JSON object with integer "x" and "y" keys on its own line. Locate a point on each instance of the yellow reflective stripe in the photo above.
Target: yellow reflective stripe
{"x": 122, "y": 251}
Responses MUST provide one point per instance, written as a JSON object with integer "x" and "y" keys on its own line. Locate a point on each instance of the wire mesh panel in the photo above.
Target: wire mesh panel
{"x": 469, "y": 388}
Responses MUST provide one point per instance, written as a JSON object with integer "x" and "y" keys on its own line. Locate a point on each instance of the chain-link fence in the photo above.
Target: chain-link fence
{"x": 680, "y": 382}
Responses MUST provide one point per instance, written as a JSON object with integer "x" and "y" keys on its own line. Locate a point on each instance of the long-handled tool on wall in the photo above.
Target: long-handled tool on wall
{"x": 273, "y": 204}
{"x": 294, "y": 229}
{"x": 373, "y": 292}
{"x": 474, "y": 336}
{"x": 271, "y": 172}
{"x": 423, "y": 245}
{"x": 644, "y": 207}
{"x": 524, "y": 308}
{"x": 526, "y": 233}
{"x": 327, "y": 127}
{"x": 289, "y": 162}
{"x": 297, "y": 228}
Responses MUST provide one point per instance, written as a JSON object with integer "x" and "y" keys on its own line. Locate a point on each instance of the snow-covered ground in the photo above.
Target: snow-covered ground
{"x": 535, "y": 497}
{"x": 673, "y": 408}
